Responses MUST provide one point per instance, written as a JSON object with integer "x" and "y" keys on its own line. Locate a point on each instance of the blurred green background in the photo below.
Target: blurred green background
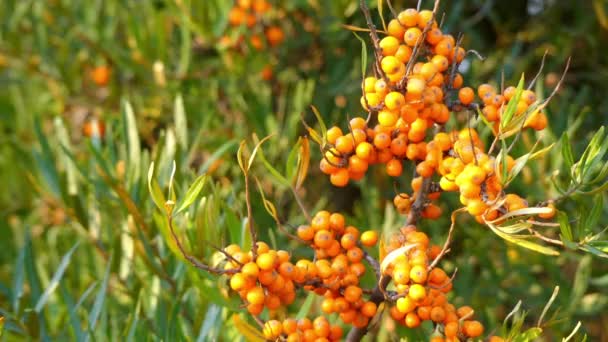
{"x": 84, "y": 252}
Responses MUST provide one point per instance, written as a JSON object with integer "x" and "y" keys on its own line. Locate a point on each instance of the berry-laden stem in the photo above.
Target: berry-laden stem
{"x": 378, "y": 293}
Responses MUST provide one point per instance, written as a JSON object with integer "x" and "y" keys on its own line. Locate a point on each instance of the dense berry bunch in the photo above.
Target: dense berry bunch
{"x": 266, "y": 281}
{"x": 269, "y": 279}
{"x": 414, "y": 90}
{"x": 339, "y": 266}
{"x": 304, "y": 329}
{"x": 495, "y": 105}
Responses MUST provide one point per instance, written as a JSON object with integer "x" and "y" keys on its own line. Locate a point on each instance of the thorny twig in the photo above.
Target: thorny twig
{"x": 542, "y": 105}
{"x": 193, "y": 260}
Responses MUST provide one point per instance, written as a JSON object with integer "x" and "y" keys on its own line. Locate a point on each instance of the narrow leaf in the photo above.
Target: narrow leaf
{"x": 193, "y": 192}
{"x": 100, "y": 298}
{"x": 65, "y": 261}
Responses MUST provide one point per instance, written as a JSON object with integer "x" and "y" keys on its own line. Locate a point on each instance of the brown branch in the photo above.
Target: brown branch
{"x": 193, "y": 260}
{"x": 448, "y": 240}
{"x": 252, "y": 231}
{"x": 375, "y": 40}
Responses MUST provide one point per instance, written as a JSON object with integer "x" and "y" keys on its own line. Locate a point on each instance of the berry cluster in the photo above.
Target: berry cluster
{"x": 302, "y": 330}
{"x": 495, "y": 104}
{"x": 339, "y": 266}
{"x": 409, "y": 97}
{"x": 421, "y": 291}
{"x": 269, "y": 279}
{"x": 266, "y": 281}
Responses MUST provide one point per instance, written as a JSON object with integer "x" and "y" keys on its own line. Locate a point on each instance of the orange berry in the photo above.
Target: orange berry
{"x": 394, "y": 168}
{"x": 369, "y": 309}
{"x": 415, "y": 86}
{"x": 437, "y": 314}
{"x": 472, "y": 328}
{"x": 290, "y": 326}
{"x": 424, "y": 169}
{"x": 382, "y": 140}
{"x": 333, "y": 134}
{"x": 389, "y": 45}
{"x": 404, "y": 53}
{"x": 395, "y": 29}
{"x": 335, "y": 332}
{"x": 390, "y": 64}
{"x": 345, "y": 144}
{"x": 306, "y": 233}
{"x": 405, "y": 305}
{"x": 466, "y": 95}
{"x": 256, "y": 296}
{"x": 274, "y": 35}
{"x": 434, "y": 36}
{"x": 409, "y": 17}
{"x": 387, "y": 118}
{"x": 321, "y": 326}
{"x": 352, "y": 293}
{"x": 412, "y": 35}
{"x": 323, "y": 238}
{"x": 266, "y": 261}
{"x": 451, "y": 329}
{"x": 348, "y": 241}
{"x": 339, "y": 178}
{"x": 412, "y": 320}
{"x": 417, "y": 292}
{"x": 101, "y": 75}
{"x": 354, "y": 254}
{"x": 424, "y": 17}
{"x": 394, "y": 100}
{"x": 369, "y": 238}
{"x": 255, "y": 309}
{"x": 465, "y": 311}
{"x": 418, "y": 274}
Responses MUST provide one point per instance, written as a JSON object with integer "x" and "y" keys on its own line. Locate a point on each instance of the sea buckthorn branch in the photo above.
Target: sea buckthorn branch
{"x": 193, "y": 260}
{"x": 375, "y": 40}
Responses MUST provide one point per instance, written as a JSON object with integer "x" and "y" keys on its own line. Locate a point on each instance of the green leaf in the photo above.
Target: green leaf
{"x": 567, "y": 151}
{"x": 133, "y": 143}
{"x": 524, "y": 243}
{"x": 589, "y": 221}
{"x": 321, "y": 123}
{"x": 193, "y": 192}
{"x": 305, "y": 308}
{"x": 380, "y": 11}
{"x": 155, "y": 192}
{"x": 181, "y": 125}
{"x": 100, "y": 298}
{"x": 593, "y": 149}
{"x": 18, "y": 278}
{"x": 46, "y": 160}
{"x": 512, "y": 106}
{"x": 65, "y": 261}
{"x": 70, "y": 167}
{"x": 529, "y": 335}
{"x": 276, "y": 175}
{"x": 210, "y": 322}
{"x": 292, "y": 160}
{"x": 363, "y": 55}
{"x": 581, "y": 282}
{"x": 564, "y": 226}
